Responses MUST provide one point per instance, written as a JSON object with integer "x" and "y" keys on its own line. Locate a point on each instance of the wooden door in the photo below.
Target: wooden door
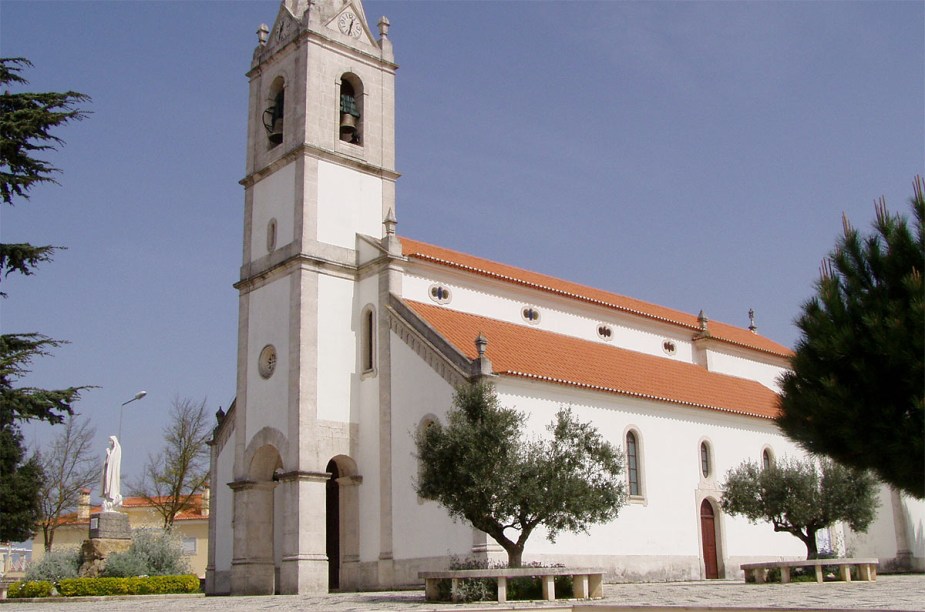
{"x": 708, "y": 535}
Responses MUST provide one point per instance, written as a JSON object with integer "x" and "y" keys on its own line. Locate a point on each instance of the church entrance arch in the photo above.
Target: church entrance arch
{"x": 708, "y": 534}
{"x": 342, "y": 522}
{"x": 254, "y": 566}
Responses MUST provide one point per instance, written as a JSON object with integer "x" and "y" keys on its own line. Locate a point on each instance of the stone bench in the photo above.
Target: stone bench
{"x": 588, "y": 583}
{"x": 867, "y": 568}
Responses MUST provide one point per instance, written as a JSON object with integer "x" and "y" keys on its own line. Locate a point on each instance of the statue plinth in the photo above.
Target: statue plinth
{"x": 109, "y": 526}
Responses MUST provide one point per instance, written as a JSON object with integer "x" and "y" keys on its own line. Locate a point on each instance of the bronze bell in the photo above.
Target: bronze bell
{"x": 348, "y": 124}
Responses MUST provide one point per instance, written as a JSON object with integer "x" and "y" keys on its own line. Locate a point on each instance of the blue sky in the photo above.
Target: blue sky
{"x": 697, "y": 155}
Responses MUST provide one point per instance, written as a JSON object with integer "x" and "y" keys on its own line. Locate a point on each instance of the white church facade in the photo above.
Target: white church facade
{"x": 350, "y": 338}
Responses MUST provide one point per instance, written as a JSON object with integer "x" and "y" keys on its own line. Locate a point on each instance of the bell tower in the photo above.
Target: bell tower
{"x": 319, "y": 184}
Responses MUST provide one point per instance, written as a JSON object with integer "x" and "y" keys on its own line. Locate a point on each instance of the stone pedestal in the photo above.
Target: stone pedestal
{"x": 109, "y": 533}
{"x": 109, "y": 526}
{"x": 94, "y": 553}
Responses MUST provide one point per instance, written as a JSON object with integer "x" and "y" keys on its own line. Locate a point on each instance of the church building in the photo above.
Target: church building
{"x": 351, "y": 338}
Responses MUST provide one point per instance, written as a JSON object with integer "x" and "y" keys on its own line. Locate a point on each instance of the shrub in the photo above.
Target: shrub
{"x": 30, "y": 588}
{"x": 148, "y": 585}
{"x": 153, "y": 552}
{"x": 55, "y": 565}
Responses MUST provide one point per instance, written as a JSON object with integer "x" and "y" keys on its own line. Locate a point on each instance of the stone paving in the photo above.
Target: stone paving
{"x": 887, "y": 593}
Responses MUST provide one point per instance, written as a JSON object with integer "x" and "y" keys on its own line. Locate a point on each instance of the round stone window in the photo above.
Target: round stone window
{"x": 266, "y": 363}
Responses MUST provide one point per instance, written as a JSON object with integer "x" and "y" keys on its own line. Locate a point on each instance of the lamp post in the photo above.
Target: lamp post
{"x": 138, "y": 396}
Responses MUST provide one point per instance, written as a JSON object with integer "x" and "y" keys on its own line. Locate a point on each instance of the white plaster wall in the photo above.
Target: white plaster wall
{"x": 267, "y": 399}
{"x": 736, "y": 365}
{"x": 420, "y": 529}
{"x": 273, "y": 199}
{"x": 336, "y": 347}
{"x": 667, "y": 522}
{"x": 368, "y": 448}
{"x": 221, "y": 507}
{"x": 349, "y": 203}
{"x": 569, "y": 318}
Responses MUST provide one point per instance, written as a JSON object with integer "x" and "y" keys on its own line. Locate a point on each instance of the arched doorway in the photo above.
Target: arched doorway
{"x": 332, "y": 525}
{"x": 708, "y": 535}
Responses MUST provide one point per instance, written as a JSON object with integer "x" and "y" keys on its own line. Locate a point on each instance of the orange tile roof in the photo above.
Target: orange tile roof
{"x": 528, "y": 352}
{"x": 484, "y": 267}
{"x": 194, "y": 513}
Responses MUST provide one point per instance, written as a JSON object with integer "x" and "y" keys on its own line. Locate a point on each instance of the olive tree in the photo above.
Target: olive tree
{"x": 800, "y": 498}
{"x": 481, "y": 468}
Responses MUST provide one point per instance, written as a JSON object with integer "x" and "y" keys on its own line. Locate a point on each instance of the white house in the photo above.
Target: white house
{"x": 350, "y": 338}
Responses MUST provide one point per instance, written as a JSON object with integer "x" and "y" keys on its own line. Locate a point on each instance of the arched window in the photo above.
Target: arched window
{"x": 368, "y": 340}
{"x": 273, "y": 115}
{"x": 706, "y": 467}
{"x": 632, "y": 465}
{"x": 351, "y": 109}
{"x": 767, "y": 459}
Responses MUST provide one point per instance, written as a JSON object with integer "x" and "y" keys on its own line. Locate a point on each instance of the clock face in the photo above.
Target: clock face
{"x": 349, "y": 24}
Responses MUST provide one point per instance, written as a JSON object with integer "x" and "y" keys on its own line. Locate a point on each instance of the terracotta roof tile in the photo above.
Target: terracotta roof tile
{"x": 719, "y": 331}
{"x": 519, "y": 350}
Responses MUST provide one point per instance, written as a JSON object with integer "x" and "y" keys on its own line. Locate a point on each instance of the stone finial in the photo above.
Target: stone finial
{"x": 704, "y": 322}
{"x": 263, "y": 32}
{"x": 481, "y": 343}
{"x": 751, "y": 321}
{"x": 390, "y": 222}
{"x": 384, "y": 27}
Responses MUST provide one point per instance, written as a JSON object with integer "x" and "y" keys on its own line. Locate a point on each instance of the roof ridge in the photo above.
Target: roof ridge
{"x": 425, "y": 251}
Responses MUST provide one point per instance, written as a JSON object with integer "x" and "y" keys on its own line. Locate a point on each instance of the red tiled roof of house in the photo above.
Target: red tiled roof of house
{"x": 484, "y": 267}
{"x": 194, "y": 513}
{"x": 527, "y": 352}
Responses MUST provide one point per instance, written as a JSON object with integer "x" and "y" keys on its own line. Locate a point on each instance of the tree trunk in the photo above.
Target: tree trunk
{"x": 812, "y": 552}
{"x": 49, "y": 538}
{"x": 514, "y": 555}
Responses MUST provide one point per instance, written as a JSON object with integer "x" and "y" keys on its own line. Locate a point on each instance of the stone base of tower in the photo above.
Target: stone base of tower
{"x": 253, "y": 578}
{"x": 304, "y": 575}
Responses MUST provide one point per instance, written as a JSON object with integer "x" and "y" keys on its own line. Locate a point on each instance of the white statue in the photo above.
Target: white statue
{"x": 112, "y": 476}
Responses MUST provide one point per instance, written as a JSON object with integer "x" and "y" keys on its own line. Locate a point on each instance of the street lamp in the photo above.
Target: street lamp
{"x": 138, "y": 396}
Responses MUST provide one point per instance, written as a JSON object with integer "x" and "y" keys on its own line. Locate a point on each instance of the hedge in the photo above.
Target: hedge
{"x": 77, "y": 587}
{"x": 30, "y": 588}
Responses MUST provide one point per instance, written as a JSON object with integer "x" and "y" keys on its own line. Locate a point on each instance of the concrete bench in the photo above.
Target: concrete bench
{"x": 588, "y": 583}
{"x": 867, "y": 568}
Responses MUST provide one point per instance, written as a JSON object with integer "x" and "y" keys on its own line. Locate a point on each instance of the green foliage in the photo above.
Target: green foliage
{"x": 26, "y": 121}
{"x": 154, "y": 552}
{"x": 20, "y": 482}
{"x": 855, "y": 391}
{"x": 798, "y": 498}
{"x": 55, "y": 565}
{"x": 481, "y": 469}
{"x": 147, "y": 585}
{"x": 30, "y": 588}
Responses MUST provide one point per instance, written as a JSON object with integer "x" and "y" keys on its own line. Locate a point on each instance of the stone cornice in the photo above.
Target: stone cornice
{"x": 303, "y": 476}
{"x": 440, "y": 355}
{"x": 334, "y": 157}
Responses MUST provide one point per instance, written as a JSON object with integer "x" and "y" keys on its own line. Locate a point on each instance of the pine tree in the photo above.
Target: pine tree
{"x": 26, "y": 121}
{"x": 855, "y": 391}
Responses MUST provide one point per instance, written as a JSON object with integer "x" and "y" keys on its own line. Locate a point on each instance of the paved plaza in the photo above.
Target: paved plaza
{"x": 887, "y": 593}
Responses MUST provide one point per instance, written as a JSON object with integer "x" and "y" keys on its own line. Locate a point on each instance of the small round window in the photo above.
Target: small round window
{"x": 530, "y": 314}
{"x": 266, "y": 363}
{"x": 669, "y": 347}
{"x": 604, "y": 332}
{"x": 439, "y": 294}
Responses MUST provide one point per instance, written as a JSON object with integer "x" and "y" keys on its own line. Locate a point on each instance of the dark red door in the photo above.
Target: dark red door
{"x": 708, "y": 534}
